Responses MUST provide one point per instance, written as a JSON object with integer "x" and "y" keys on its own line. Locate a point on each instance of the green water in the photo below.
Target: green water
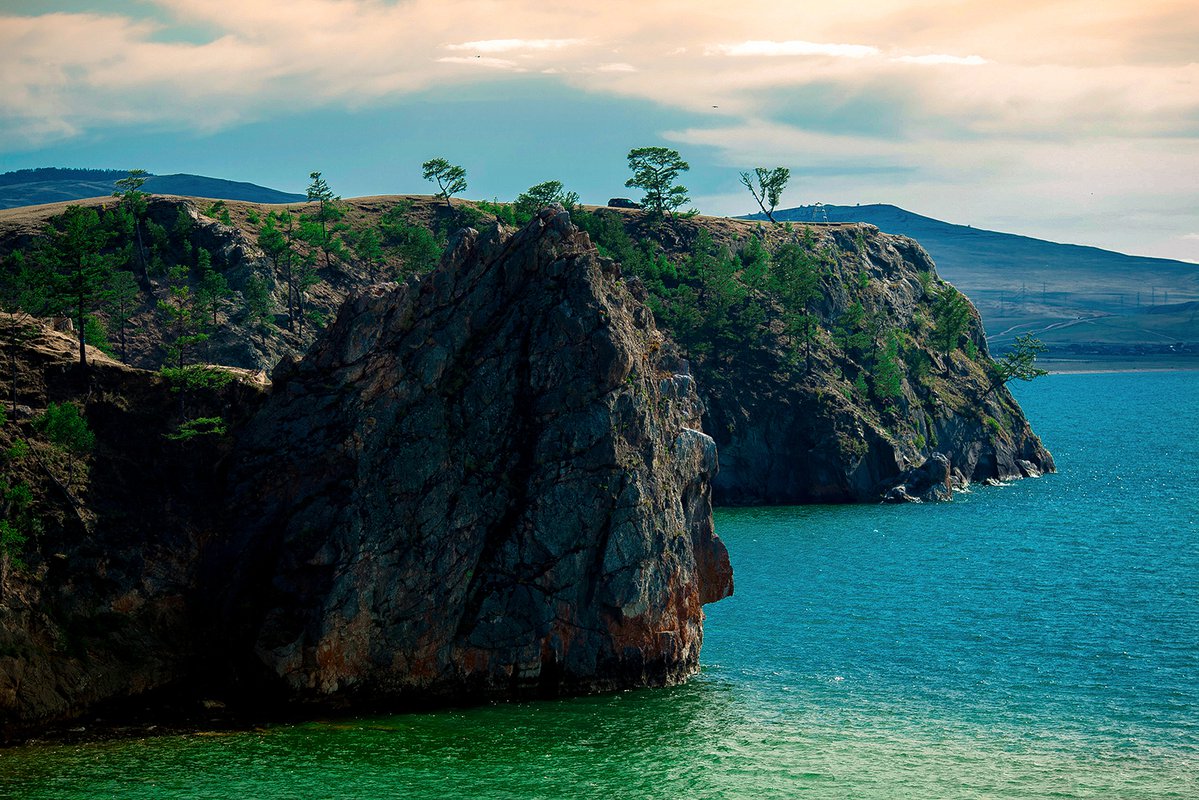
{"x": 1034, "y": 640}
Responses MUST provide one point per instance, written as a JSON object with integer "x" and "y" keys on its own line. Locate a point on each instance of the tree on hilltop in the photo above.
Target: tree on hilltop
{"x": 655, "y": 170}
{"x": 321, "y": 230}
{"x": 535, "y": 198}
{"x": 134, "y": 201}
{"x": 766, "y": 185}
{"x": 450, "y": 178}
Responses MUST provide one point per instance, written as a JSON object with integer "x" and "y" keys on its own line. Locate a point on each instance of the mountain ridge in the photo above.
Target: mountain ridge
{"x": 1021, "y": 284}
{"x": 61, "y": 184}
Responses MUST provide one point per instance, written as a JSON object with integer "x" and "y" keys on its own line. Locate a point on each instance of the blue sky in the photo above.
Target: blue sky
{"x": 1073, "y": 121}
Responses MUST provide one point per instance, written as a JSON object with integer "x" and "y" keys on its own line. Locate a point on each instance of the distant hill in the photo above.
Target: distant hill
{"x": 28, "y": 187}
{"x": 1071, "y": 296}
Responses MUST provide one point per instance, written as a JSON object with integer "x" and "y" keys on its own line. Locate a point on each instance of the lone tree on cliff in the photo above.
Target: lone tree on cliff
{"x": 1019, "y": 363}
{"x": 655, "y": 170}
{"x": 450, "y": 178}
{"x": 766, "y": 185}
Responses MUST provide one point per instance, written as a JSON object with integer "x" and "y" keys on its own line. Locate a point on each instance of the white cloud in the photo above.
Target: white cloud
{"x": 617, "y": 67}
{"x": 508, "y": 45}
{"x": 968, "y": 61}
{"x": 794, "y": 48}
{"x": 481, "y": 61}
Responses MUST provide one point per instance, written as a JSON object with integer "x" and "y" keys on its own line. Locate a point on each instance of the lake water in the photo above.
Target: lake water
{"x": 1034, "y": 640}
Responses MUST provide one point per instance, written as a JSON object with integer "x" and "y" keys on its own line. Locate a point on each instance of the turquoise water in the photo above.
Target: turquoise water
{"x": 1034, "y": 640}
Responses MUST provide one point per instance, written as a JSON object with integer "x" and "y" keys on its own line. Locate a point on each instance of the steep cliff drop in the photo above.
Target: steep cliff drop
{"x": 489, "y": 481}
{"x": 788, "y": 433}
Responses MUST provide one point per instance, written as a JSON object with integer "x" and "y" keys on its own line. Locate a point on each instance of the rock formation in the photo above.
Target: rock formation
{"x": 789, "y": 434}
{"x": 488, "y": 481}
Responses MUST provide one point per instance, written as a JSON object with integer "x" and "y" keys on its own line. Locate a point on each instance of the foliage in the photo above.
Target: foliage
{"x": 278, "y": 237}
{"x": 417, "y": 246}
{"x": 796, "y": 274}
{"x": 16, "y": 501}
{"x": 1019, "y": 363}
{"x": 766, "y": 186}
{"x": 368, "y": 247}
{"x": 120, "y": 301}
{"x": 951, "y": 319}
{"x": 66, "y": 429}
{"x": 655, "y": 170}
{"x": 219, "y": 211}
{"x": 503, "y": 212}
{"x": 135, "y": 204}
{"x": 96, "y": 335}
{"x": 547, "y": 193}
{"x": 182, "y": 318}
{"x": 200, "y": 426}
{"x": 323, "y": 229}
{"x": 64, "y": 426}
{"x": 851, "y": 333}
{"x": 212, "y": 293}
{"x": 258, "y": 302}
{"x": 450, "y": 178}
{"x": 888, "y": 380}
{"x": 75, "y": 269}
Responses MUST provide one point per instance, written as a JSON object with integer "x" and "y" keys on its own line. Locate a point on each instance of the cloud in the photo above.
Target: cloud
{"x": 481, "y": 61}
{"x": 616, "y": 67}
{"x": 508, "y": 45}
{"x": 794, "y": 48}
{"x": 968, "y": 61}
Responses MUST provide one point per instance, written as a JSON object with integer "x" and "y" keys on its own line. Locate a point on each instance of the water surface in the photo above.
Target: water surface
{"x": 1034, "y": 640}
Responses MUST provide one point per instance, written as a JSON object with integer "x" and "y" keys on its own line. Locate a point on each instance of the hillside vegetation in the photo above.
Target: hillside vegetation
{"x": 1081, "y": 301}
{"x": 874, "y": 362}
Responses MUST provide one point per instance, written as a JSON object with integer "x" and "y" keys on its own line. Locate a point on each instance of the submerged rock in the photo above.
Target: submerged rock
{"x": 489, "y": 481}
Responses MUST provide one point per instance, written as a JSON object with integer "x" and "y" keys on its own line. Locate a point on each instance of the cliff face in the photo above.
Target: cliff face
{"x": 791, "y": 426}
{"x": 790, "y": 433}
{"x": 488, "y": 481}
{"x": 100, "y": 603}
{"x": 491, "y": 482}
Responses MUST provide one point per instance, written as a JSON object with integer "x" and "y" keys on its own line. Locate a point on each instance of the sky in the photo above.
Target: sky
{"x": 1074, "y": 121}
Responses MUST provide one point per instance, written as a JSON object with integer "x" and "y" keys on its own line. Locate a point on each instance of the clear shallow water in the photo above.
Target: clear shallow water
{"x": 1034, "y": 640}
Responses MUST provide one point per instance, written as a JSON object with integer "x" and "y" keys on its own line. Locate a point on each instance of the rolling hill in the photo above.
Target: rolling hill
{"x": 29, "y": 187}
{"x": 1079, "y": 300}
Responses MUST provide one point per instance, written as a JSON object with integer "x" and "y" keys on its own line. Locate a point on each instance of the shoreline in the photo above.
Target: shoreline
{"x": 1082, "y": 366}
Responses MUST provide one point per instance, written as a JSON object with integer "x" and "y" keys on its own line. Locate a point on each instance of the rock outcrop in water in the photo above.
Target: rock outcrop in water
{"x": 789, "y": 434}
{"x": 488, "y": 481}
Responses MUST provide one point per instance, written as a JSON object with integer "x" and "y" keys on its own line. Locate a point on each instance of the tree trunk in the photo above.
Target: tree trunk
{"x": 82, "y": 340}
{"x": 144, "y": 278}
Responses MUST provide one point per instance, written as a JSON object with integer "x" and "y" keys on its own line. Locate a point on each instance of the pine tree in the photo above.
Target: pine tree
{"x": 67, "y": 430}
{"x": 655, "y": 170}
{"x": 136, "y": 203}
{"x": 322, "y": 229}
{"x": 120, "y": 303}
{"x": 76, "y": 268}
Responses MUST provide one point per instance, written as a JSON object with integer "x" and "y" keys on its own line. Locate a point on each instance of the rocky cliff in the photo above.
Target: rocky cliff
{"x": 790, "y": 432}
{"x": 489, "y": 481}
{"x": 102, "y": 601}
{"x": 790, "y": 429}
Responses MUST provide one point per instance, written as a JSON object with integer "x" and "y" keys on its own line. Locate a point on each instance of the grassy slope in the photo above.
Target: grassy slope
{"x": 1021, "y": 284}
